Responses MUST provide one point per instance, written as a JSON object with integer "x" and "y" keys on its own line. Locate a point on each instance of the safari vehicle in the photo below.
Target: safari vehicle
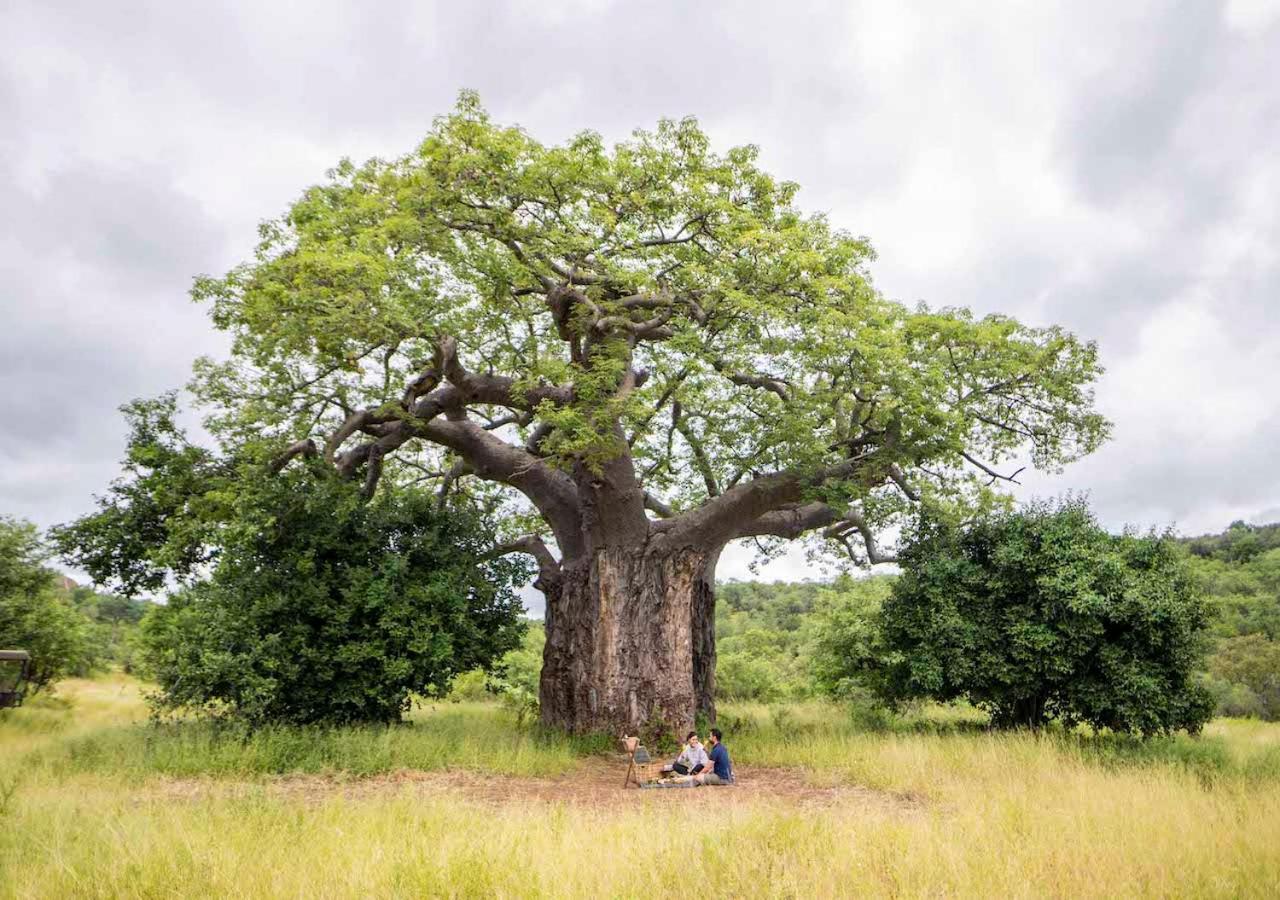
{"x": 15, "y": 667}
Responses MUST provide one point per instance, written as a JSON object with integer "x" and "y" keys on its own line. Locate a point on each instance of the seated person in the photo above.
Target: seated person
{"x": 692, "y": 758}
{"x": 721, "y": 769}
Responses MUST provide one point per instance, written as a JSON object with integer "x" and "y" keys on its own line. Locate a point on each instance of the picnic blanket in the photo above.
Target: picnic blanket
{"x": 671, "y": 783}
{"x": 671, "y": 780}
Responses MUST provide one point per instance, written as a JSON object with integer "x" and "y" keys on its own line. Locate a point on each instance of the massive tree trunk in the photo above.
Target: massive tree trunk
{"x": 620, "y": 650}
{"x": 704, "y": 639}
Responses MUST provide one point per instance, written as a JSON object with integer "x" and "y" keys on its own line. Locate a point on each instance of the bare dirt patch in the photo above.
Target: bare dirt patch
{"x": 598, "y": 785}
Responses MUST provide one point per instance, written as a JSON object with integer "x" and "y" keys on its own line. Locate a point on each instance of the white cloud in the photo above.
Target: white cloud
{"x": 1251, "y": 16}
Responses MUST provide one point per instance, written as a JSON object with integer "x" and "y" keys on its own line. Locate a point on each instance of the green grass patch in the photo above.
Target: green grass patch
{"x": 480, "y": 737}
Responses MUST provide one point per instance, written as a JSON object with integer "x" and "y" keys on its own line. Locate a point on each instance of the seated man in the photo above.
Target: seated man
{"x": 692, "y": 758}
{"x": 721, "y": 769}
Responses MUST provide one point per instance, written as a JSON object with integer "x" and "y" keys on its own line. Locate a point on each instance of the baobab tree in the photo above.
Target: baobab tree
{"x": 652, "y": 349}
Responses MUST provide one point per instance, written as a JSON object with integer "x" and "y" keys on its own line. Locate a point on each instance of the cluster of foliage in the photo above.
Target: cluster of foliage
{"x": 847, "y": 647}
{"x": 67, "y": 632}
{"x": 1244, "y": 676}
{"x": 1239, "y": 573}
{"x": 609, "y": 290}
{"x": 323, "y": 608}
{"x": 1042, "y": 614}
{"x": 113, "y": 625}
{"x": 302, "y": 600}
{"x": 1032, "y": 615}
{"x": 1240, "y": 542}
{"x": 513, "y": 679}
{"x": 162, "y": 517}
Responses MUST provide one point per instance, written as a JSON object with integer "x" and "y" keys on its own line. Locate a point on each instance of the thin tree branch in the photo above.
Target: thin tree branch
{"x": 700, "y": 460}
{"x": 765, "y": 382}
{"x": 995, "y": 476}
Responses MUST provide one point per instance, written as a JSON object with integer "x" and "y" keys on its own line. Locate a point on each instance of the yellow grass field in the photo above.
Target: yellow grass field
{"x": 93, "y": 806}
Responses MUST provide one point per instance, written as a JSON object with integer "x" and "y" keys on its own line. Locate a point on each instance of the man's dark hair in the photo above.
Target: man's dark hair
{"x": 689, "y": 736}
{"x": 715, "y": 732}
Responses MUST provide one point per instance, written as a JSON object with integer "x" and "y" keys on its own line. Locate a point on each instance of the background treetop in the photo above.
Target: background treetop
{"x": 488, "y": 305}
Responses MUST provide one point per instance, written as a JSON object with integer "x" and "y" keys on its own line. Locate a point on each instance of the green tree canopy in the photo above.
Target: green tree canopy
{"x": 1245, "y": 675}
{"x": 162, "y": 517}
{"x": 654, "y": 300}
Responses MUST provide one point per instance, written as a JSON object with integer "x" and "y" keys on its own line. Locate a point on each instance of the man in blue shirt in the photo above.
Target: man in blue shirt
{"x": 721, "y": 768}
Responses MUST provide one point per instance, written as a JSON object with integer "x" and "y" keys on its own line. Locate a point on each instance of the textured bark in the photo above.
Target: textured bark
{"x": 704, "y": 640}
{"x": 619, "y": 654}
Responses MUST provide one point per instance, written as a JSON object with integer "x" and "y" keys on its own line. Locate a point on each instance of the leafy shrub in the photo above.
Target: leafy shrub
{"x": 1042, "y": 614}
{"x": 469, "y": 687}
{"x": 323, "y": 608}
{"x": 742, "y": 676}
{"x": 847, "y": 647}
{"x": 515, "y": 677}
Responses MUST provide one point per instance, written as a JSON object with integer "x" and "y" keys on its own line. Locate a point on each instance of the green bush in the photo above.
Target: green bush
{"x": 469, "y": 687}
{"x": 324, "y": 608}
{"x": 847, "y": 647}
{"x": 1042, "y": 614}
{"x": 515, "y": 678}
{"x": 742, "y": 676}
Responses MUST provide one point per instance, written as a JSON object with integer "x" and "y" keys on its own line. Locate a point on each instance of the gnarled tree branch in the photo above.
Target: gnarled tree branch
{"x": 532, "y": 544}
{"x": 304, "y": 447}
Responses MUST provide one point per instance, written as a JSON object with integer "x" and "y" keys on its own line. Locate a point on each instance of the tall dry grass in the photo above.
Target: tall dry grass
{"x": 995, "y": 815}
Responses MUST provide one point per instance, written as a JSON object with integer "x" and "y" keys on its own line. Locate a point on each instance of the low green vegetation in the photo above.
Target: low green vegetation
{"x": 779, "y": 642}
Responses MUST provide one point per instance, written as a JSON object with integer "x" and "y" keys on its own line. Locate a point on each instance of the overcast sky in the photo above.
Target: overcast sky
{"x": 1114, "y": 168}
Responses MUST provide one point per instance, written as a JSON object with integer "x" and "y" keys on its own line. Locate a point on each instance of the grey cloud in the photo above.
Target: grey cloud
{"x": 139, "y": 147}
{"x": 93, "y": 300}
{"x": 1126, "y": 115}
{"x": 1192, "y": 488}
{"x": 130, "y": 223}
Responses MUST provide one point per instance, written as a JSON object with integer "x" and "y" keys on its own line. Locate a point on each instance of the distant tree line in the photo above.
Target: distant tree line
{"x": 1239, "y": 573}
{"x": 69, "y": 630}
